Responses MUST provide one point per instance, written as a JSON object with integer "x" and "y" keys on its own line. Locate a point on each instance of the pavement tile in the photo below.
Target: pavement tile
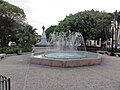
{"x": 26, "y": 76}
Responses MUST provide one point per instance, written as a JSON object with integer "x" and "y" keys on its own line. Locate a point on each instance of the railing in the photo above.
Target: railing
{"x": 4, "y": 83}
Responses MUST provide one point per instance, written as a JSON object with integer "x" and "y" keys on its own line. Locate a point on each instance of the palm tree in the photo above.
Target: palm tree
{"x": 26, "y": 35}
{"x": 116, "y": 17}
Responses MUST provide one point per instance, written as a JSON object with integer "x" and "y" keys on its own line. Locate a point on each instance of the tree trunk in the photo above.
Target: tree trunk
{"x": 3, "y": 42}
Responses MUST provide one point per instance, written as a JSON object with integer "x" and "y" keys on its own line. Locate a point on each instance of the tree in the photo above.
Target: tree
{"x": 51, "y": 29}
{"x": 103, "y": 25}
{"x": 90, "y": 23}
{"x": 116, "y": 19}
{"x": 10, "y": 17}
{"x": 26, "y": 35}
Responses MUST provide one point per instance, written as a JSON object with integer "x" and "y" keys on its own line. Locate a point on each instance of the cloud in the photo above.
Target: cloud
{"x": 49, "y": 12}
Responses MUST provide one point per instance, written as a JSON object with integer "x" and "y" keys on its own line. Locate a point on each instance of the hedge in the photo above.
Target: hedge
{"x": 11, "y": 50}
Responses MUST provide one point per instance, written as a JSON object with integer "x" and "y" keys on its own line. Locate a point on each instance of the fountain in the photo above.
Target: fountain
{"x": 66, "y": 49}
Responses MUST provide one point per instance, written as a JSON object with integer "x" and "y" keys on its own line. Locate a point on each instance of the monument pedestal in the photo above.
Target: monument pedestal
{"x": 43, "y": 42}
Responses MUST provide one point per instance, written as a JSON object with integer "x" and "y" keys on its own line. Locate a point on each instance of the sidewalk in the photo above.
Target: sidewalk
{"x": 26, "y": 76}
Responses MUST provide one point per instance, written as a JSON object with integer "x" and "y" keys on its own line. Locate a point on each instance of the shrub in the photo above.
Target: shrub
{"x": 110, "y": 50}
{"x": 8, "y": 50}
{"x": 11, "y": 50}
{"x": 26, "y": 48}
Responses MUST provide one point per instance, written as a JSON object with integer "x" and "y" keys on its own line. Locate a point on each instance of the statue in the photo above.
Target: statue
{"x": 43, "y": 41}
{"x": 43, "y": 27}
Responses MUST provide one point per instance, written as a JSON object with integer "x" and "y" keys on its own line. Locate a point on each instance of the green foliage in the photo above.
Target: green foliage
{"x": 10, "y": 10}
{"x": 51, "y": 29}
{"x": 10, "y": 17}
{"x": 11, "y": 50}
{"x": 92, "y": 24}
{"x": 113, "y": 50}
{"x": 26, "y": 35}
{"x": 116, "y": 17}
{"x": 8, "y": 50}
{"x": 26, "y": 48}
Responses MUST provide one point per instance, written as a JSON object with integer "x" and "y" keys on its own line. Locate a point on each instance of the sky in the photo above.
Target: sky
{"x": 50, "y": 12}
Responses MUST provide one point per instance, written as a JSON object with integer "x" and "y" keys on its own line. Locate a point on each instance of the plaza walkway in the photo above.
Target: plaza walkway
{"x": 26, "y": 76}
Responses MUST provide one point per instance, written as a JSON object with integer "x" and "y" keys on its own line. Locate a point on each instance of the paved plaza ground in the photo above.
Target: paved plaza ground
{"x": 26, "y": 76}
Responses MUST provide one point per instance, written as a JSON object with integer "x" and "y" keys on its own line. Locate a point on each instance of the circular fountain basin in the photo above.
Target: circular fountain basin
{"x": 64, "y": 55}
{"x": 66, "y": 59}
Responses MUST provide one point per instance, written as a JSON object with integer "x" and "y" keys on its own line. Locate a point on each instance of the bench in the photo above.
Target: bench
{"x": 2, "y": 56}
{"x": 109, "y": 53}
{"x": 102, "y": 52}
{"x": 117, "y": 54}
